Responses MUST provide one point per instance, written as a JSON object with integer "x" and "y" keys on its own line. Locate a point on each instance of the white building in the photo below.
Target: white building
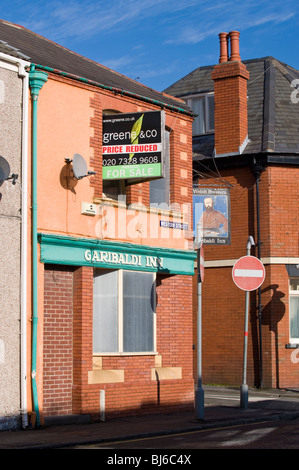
{"x": 13, "y": 232}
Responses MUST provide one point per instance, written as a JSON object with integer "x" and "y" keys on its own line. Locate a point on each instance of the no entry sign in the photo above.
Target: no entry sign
{"x": 248, "y": 273}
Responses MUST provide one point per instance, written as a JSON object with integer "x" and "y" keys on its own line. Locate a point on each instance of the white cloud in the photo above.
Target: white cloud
{"x": 185, "y": 22}
{"x": 228, "y": 16}
{"x": 142, "y": 37}
{"x": 87, "y": 18}
{"x": 118, "y": 63}
{"x": 275, "y": 18}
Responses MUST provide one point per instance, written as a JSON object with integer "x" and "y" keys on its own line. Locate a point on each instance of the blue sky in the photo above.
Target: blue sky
{"x": 157, "y": 42}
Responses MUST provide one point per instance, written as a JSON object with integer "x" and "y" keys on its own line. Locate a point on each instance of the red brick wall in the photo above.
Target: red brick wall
{"x": 223, "y": 330}
{"x": 224, "y": 304}
{"x": 138, "y": 394}
{"x": 82, "y": 342}
{"x": 279, "y": 235}
{"x": 174, "y": 322}
{"x": 180, "y": 144}
{"x": 283, "y": 188}
{"x": 230, "y": 88}
{"x": 58, "y": 341}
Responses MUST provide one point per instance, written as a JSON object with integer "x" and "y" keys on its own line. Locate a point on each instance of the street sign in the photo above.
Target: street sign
{"x": 248, "y": 273}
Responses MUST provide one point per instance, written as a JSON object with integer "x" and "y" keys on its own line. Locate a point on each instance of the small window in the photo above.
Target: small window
{"x": 114, "y": 189}
{"x": 123, "y": 312}
{"x": 203, "y": 106}
{"x": 294, "y": 310}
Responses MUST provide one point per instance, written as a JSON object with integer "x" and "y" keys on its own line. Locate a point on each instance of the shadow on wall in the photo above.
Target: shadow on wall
{"x": 67, "y": 180}
{"x": 272, "y": 314}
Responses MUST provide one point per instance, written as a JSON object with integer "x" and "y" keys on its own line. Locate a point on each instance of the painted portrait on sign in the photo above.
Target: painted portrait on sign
{"x": 211, "y": 214}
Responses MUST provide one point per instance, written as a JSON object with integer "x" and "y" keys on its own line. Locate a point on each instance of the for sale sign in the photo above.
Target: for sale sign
{"x": 133, "y": 145}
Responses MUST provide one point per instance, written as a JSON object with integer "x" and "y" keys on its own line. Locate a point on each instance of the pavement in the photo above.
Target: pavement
{"x": 222, "y": 407}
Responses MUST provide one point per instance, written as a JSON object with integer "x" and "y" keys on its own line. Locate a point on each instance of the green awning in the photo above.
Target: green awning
{"x": 71, "y": 251}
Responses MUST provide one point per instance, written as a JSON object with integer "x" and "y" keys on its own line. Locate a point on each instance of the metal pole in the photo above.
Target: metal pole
{"x": 244, "y": 386}
{"x": 199, "y": 392}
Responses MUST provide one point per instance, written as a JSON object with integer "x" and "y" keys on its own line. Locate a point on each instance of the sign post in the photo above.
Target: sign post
{"x": 248, "y": 274}
{"x": 199, "y": 392}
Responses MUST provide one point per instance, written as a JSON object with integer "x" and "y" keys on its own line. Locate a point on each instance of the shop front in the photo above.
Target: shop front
{"x": 117, "y": 327}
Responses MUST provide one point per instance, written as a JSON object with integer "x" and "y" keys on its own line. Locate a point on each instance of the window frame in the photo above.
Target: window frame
{"x": 293, "y": 294}
{"x": 205, "y": 96}
{"x": 120, "y": 317}
{"x": 116, "y": 190}
{"x": 165, "y": 180}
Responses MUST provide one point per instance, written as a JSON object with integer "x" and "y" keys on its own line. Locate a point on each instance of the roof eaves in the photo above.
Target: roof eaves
{"x": 120, "y": 91}
{"x": 13, "y": 51}
{"x": 289, "y": 72}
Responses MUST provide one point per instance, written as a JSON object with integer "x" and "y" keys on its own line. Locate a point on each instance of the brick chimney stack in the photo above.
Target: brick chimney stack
{"x": 230, "y": 86}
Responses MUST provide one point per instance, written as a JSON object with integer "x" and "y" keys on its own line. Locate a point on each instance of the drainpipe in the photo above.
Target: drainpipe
{"x": 257, "y": 170}
{"x": 36, "y": 82}
{"x": 22, "y": 65}
{"x": 24, "y": 247}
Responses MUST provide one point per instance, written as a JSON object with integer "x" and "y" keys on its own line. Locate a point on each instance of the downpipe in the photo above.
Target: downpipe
{"x": 22, "y": 73}
{"x": 36, "y": 82}
{"x": 24, "y": 247}
{"x": 257, "y": 169}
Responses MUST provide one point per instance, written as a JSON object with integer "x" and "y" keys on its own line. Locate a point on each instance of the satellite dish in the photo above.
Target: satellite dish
{"x": 4, "y": 170}
{"x": 79, "y": 167}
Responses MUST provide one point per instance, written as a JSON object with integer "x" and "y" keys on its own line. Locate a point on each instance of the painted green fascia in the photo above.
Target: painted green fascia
{"x": 58, "y": 249}
{"x": 120, "y": 91}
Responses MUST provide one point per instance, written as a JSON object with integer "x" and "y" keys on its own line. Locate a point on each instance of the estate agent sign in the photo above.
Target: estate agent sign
{"x": 133, "y": 145}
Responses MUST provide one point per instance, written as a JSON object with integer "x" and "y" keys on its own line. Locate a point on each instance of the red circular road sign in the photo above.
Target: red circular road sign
{"x": 248, "y": 273}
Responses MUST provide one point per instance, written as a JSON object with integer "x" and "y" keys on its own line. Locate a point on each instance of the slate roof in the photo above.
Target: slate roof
{"x": 273, "y": 119}
{"x": 23, "y": 43}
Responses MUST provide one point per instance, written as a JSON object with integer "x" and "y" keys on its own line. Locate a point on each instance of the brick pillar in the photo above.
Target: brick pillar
{"x": 58, "y": 341}
{"x": 96, "y": 144}
{"x": 230, "y": 87}
{"x": 82, "y": 334}
{"x": 138, "y": 193}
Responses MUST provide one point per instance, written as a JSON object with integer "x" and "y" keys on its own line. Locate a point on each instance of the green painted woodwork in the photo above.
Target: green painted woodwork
{"x": 72, "y": 251}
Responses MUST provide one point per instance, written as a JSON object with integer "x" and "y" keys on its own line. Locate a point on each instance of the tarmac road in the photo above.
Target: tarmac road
{"x": 283, "y": 434}
{"x": 222, "y": 410}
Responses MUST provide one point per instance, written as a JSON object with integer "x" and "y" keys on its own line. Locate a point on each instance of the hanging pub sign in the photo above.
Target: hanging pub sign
{"x": 211, "y": 215}
{"x": 133, "y": 145}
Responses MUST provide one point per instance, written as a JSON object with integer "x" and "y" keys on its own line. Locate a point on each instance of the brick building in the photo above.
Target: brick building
{"x": 109, "y": 301}
{"x": 246, "y": 159}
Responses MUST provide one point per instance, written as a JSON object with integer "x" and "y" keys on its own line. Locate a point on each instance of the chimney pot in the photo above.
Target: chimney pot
{"x": 223, "y": 38}
{"x": 234, "y": 46}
